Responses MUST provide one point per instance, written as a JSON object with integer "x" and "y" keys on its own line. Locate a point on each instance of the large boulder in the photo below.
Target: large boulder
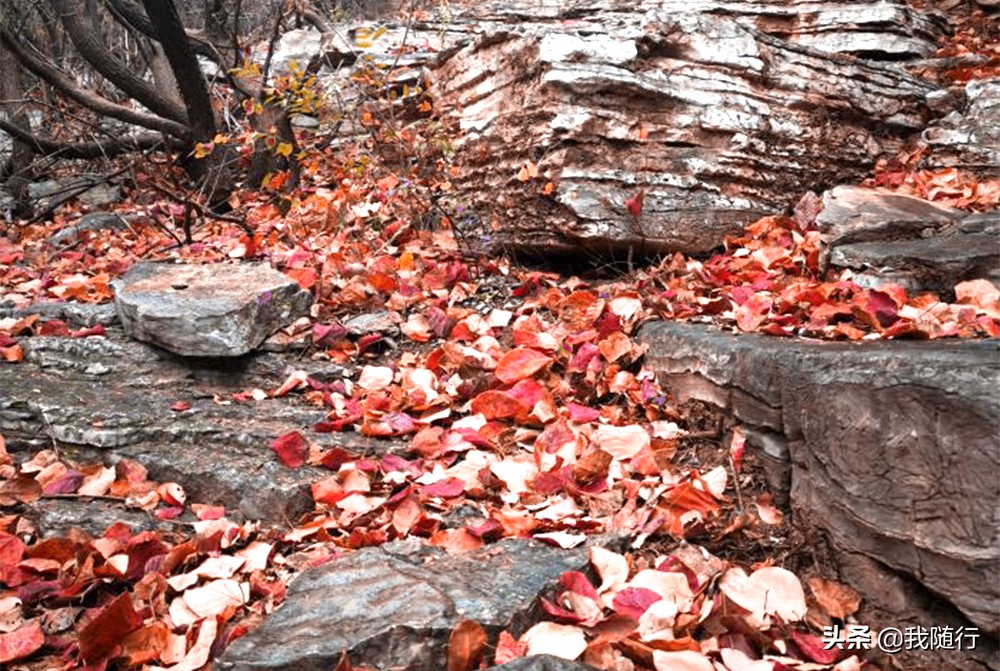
{"x": 883, "y": 236}
{"x": 207, "y": 310}
{"x": 890, "y": 448}
{"x": 394, "y": 606}
{"x": 651, "y": 126}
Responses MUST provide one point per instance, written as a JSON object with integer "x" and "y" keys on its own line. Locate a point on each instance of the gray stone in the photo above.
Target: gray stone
{"x": 858, "y": 214}
{"x": 209, "y": 310}
{"x": 100, "y": 195}
{"x": 893, "y": 445}
{"x": 394, "y": 606}
{"x": 304, "y": 121}
{"x": 96, "y": 221}
{"x": 76, "y": 315}
{"x": 969, "y": 138}
{"x": 373, "y": 322}
{"x": 931, "y": 264}
{"x": 708, "y": 109}
{"x": 217, "y": 450}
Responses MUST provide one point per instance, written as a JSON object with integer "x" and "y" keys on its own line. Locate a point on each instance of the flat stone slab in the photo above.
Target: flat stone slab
{"x": 890, "y": 447}
{"x": 394, "y": 607}
{"x": 935, "y": 264}
{"x": 103, "y": 399}
{"x": 859, "y": 214}
{"x": 207, "y": 310}
{"x": 885, "y": 236}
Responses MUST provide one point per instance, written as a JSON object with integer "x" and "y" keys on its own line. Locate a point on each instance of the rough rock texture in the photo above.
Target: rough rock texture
{"x": 395, "y": 606}
{"x": 888, "y": 237}
{"x": 211, "y": 310}
{"x": 969, "y": 138}
{"x": 891, "y": 447}
{"x": 542, "y": 663}
{"x": 705, "y": 106}
{"x": 102, "y": 399}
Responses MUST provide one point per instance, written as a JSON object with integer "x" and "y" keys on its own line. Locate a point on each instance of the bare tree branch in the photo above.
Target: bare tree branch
{"x": 81, "y": 150}
{"x": 71, "y": 12}
{"x": 42, "y": 69}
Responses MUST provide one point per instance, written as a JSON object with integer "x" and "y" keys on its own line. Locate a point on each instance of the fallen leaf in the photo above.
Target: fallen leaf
{"x": 836, "y": 599}
{"x": 291, "y": 448}
{"x": 466, "y": 646}
{"x": 559, "y": 640}
{"x": 520, "y": 363}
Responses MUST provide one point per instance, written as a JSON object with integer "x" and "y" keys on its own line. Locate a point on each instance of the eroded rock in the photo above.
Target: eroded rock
{"x": 891, "y": 237}
{"x": 209, "y": 310}
{"x": 394, "y": 606}
{"x": 892, "y": 445}
{"x": 668, "y": 127}
{"x": 103, "y": 399}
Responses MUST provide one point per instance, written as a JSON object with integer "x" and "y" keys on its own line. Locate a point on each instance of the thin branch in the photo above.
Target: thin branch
{"x": 81, "y": 150}
{"x": 42, "y": 69}
{"x": 98, "y": 57}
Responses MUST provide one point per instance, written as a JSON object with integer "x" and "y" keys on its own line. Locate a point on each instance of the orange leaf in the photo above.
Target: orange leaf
{"x": 306, "y": 277}
{"x": 520, "y": 363}
{"x": 466, "y": 645}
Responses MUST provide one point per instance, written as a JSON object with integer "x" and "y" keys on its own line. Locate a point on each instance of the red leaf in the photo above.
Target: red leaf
{"x": 574, "y": 581}
{"x": 520, "y": 363}
{"x": 180, "y": 406}
{"x": 509, "y": 648}
{"x": 100, "y": 636}
{"x": 497, "y": 405}
{"x": 306, "y": 277}
{"x": 814, "y": 649}
{"x": 633, "y": 601}
{"x": 53, "y": 327}
{"x": 883, "y": 307}
{"x": 96, "y": 330}
{"x": 291, "y": 449}
{"x": 11, "y": 551}
{"x": 634, "y": 204}
{"x": 582, "y": 414}
{"x": 22, "y": 642}
{"x": 445, "y": 489}
{"x": 325, "y": 335}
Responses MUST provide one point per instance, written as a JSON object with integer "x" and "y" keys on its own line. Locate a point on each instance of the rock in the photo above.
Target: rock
{"x": 210, "y": 310}
{"x": 93, "y": 191}
{"x": 218, "y": 450}
{"x": 934, "y": 264}
{"x": 704, "y": 110}
{"x": 542, "y": 663}
{"x": 100, "y": 195}
{"x": 372, "y": 322}
{"x": 969, "y": 139}
{"x": 96, "y": 221}
{"x": 76, "y": 315}
{"x": 890, "y": 237}
{"x": 858, "y": 214}
{"x": 305, "y": 121}
{"x": 394, "y": 606}
{"x": 892, "y": 445}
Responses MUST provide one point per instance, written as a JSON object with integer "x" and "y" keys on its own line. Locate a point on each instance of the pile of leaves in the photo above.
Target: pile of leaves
{"x": 140, "y": 599}
{"x": 520, "y": 395}
{"x": 769, "y": 281}
{"x": 684, "y": 611}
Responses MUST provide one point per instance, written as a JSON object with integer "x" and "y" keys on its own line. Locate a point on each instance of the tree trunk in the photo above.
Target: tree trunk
{"x": 216, "y": 170}
{"x": 22, "y": 155}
